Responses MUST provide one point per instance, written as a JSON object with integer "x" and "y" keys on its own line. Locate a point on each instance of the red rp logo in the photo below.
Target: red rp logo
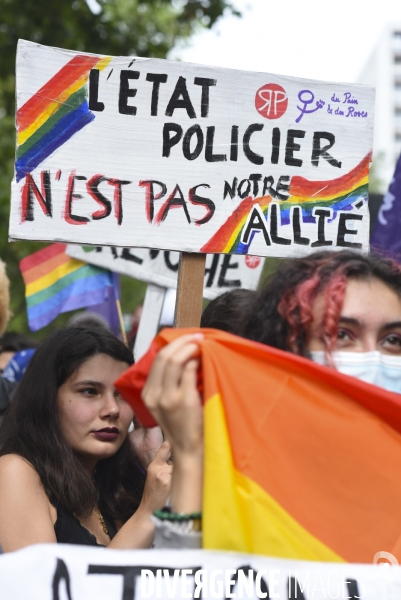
{"x": 271, "y": 101}
{"x": 252, "y": 261}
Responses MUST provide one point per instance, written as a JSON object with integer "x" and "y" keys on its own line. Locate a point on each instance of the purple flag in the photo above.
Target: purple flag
{"x": 386, "y": 236}
{"x": 108, "y": 308}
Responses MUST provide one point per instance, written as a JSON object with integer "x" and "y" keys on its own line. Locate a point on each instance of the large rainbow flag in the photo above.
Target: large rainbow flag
{"x": 57, "y": 111}
{"x": 56, "y": 283}
{"x": 301, "y": 461}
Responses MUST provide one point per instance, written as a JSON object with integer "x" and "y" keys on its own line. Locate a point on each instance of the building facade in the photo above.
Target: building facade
{"x": 383, "y": 72}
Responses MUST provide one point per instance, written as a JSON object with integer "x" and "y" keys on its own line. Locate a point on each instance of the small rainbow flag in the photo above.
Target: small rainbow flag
{"x": 55, "y": 113}
{"x": 56, "y": 283}
{"x": 301, "y": 462}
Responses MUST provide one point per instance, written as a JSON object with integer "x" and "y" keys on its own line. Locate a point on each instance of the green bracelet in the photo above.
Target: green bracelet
{"x": 166, "y": 515}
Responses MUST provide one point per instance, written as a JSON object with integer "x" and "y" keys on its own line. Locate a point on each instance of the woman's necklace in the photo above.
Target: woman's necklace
{"x": 102, "y": 522}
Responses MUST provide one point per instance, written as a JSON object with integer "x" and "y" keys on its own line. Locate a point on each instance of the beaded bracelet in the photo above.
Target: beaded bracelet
{"x": 188, "y": 521}
{"x": 167, "y": 515}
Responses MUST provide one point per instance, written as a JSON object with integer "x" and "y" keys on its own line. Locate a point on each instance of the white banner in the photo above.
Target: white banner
{"x": 139, "y": 152}
{"x": 222, "y": 273}
{"x": 63, "y": 572}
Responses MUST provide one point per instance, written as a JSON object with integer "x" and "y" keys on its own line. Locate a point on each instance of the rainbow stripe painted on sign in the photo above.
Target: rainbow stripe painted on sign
{"x": 55, "y": 113}
{"x": 338, "y": 194}
{"x": 56, "y": 283}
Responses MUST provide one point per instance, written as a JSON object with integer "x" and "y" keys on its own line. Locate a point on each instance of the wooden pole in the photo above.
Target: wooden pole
{"x": 191, "y": 273}
{"x": 120, "y": 318}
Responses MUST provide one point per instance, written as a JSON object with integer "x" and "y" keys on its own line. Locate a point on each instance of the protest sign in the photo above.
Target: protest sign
{"x": 85, "y": 573}
{"x": 222, "y": 273}
{"x": 150, "y": 153}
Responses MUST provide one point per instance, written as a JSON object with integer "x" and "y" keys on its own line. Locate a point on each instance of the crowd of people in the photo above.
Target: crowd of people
{"x": 74, "y": 470}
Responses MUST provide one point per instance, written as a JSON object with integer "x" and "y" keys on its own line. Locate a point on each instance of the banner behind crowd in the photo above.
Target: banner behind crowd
{"x": 222, "y": 273}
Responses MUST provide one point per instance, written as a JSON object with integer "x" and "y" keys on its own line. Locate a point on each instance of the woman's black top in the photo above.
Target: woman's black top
{"x": 70, "y": 531}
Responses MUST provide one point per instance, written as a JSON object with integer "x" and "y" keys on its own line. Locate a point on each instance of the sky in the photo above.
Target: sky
{"x": 317, "y": 39}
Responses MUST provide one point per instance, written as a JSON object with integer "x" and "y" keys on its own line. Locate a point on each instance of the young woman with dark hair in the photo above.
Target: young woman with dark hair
{"x": 325, "y": 306}
{"x": 68, "y": 471}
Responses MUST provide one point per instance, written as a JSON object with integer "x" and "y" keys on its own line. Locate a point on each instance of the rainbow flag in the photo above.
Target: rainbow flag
{"x": 55, "y": 112}
{"x": 301, "y": 462}
{"x": 56, "y": 283}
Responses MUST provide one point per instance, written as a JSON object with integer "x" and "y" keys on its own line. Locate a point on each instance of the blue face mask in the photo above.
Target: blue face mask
{"x": 372, "y": 367}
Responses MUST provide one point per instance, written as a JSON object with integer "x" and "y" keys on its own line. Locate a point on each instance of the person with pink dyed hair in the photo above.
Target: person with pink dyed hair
{"x": 342, "y": 309}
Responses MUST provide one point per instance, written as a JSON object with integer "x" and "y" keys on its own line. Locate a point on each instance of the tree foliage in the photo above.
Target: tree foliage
{"x": 148, "y": 28}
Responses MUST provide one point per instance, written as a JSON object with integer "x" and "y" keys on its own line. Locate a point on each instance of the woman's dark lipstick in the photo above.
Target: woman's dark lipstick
{"x": 107, "y": 434}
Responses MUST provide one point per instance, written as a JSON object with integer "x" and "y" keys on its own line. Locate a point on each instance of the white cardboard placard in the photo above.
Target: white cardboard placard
{"x": 136, "y": 152}
{"x": 150, "y": 319}
{"x": 55, "y": 572}
{"x": 222, "y": 273}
